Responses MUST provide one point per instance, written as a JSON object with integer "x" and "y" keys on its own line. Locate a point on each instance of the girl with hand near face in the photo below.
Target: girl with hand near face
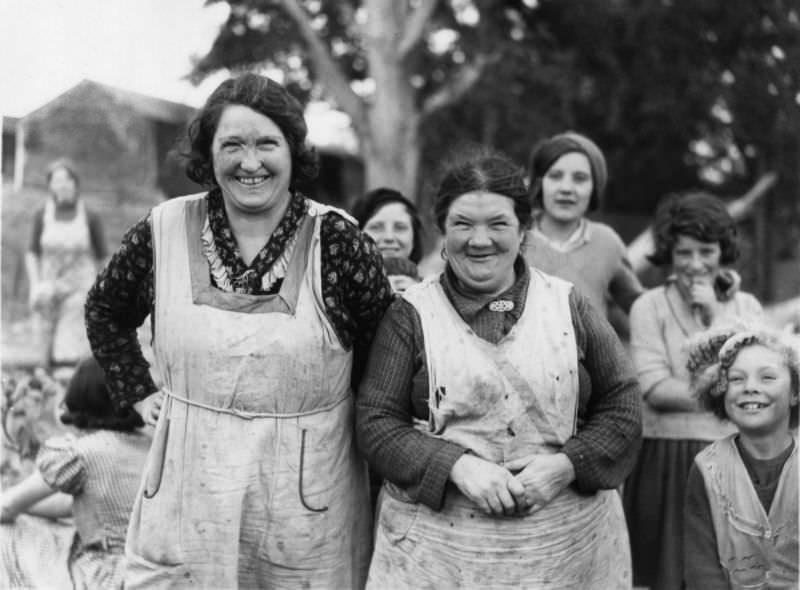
{"x": 501, "y": 410}
{"x": 742, "y": 497}
{"x": 696, "y": 237}
{"x": 568, "y": 179}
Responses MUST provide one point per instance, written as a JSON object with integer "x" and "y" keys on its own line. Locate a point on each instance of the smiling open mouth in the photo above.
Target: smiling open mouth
{"x": 481, "y": 257}
{"x": 250, "y": 180}
{"x": 752, "y": 406}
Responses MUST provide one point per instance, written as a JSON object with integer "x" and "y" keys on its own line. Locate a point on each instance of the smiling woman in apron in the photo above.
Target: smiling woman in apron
{"x": 501, "y": 410}
{"x": 262, "y": 301}
{"x": 65, "y": 252}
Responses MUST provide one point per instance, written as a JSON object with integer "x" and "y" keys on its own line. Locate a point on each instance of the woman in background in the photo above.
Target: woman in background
{"x": 568, "y": 179}
{"x": 696, "y": 237}
{"x": 392, "y": 221}
{"x": 65, "y": 252}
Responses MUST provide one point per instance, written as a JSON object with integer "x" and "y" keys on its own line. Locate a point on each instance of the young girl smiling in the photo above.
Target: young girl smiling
{"x": 568, "y": 177}
{"x": 741, "y": 519}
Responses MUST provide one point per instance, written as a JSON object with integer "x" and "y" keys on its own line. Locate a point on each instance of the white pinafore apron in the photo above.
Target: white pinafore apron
{"x": 502, "y": 402}
{"x": 68, "y": 265}
{"x": 253, "y": 480}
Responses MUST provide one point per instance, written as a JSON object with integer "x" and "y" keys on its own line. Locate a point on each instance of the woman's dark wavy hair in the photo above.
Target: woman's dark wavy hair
{"x": 264, "y": 96}
{"x": 372, "y": 201}
{"x": 483, "y": 169}
{"x": 698, "y": 215}
{"x": 89, "y": 404}
{"x": 63, "y": 164}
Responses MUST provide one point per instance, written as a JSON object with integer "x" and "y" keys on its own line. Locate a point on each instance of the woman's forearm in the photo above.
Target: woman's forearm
{"x": 402, "y": 454}
{"x": 58, "y": 505}
{"x": 671, "y": 395}
{"x": 19, "y": 498}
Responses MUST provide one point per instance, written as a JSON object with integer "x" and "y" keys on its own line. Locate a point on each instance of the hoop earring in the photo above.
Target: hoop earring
{"x": 443, "y": 254}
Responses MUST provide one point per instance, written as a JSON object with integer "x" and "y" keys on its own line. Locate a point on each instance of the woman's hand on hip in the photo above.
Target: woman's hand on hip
{"x": 542, "y": 478}
{"x": 490, "y": 486}
{"x": 149, "y": 408}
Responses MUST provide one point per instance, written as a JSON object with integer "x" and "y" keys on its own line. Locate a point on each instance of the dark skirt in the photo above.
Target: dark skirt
{"x": 653, "y": 500}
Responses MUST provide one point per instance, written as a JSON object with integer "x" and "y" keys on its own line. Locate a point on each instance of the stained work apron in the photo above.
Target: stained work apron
{"x": 502, "y": 402}
{"x": 68, "y": 265}
{"x": 253, "y": 479}
{"x": 756, "y": 549}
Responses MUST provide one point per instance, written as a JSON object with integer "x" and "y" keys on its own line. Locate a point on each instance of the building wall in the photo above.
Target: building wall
{"x": 9, "y": 139}
{"x": 113, "y": 147}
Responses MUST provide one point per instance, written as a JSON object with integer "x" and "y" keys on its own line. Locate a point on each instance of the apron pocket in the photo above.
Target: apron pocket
{"x": 301, "y": 471}
{"x": 158, "y": 451}
{"x": 315, "y": 465}
{"x": 143, "y": 573}
{"x": 397, "y": 517}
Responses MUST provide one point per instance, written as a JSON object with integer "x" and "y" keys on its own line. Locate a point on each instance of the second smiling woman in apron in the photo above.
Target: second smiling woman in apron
{"x": 499, "y": 406}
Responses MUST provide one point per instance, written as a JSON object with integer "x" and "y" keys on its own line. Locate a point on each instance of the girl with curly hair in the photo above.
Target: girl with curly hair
{"x": 741, "y": 512}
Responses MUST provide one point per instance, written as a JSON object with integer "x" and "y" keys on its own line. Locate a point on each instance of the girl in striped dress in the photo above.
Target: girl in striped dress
{"x": 100, "y": 468}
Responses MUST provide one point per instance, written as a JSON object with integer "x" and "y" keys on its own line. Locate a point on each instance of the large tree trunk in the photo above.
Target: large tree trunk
{"x": 391, "y": 146}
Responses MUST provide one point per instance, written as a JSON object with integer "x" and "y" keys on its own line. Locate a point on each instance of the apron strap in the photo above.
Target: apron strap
{"x": 252, "y": 415}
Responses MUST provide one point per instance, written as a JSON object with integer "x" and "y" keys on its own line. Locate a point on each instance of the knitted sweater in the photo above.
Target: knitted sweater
{"x": 596, "y": 264}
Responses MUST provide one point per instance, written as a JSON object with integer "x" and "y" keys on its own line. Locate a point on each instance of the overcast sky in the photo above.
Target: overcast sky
{"x": 48, "y": 46}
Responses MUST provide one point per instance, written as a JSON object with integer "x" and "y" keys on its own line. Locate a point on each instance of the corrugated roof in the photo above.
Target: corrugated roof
{"x": 151, "y": 107}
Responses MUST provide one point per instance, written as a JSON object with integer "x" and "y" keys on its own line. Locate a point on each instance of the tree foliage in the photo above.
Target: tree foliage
{"x": 678, "y": 93}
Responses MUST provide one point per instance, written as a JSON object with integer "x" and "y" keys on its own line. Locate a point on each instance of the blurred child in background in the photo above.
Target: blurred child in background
{"x": 101, "y": 469}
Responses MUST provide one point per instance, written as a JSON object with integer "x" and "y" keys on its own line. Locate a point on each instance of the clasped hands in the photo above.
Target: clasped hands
{"x": 521, "y": 486}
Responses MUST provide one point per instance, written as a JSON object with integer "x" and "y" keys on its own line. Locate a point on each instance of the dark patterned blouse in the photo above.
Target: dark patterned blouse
{"x": 354, "y": 287}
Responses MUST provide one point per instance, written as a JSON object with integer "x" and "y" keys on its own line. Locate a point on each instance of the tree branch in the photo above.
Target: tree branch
{"x": 415, "y": 25}
{"x": 328, "y": 70}
{"x": 457, "y": 87}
